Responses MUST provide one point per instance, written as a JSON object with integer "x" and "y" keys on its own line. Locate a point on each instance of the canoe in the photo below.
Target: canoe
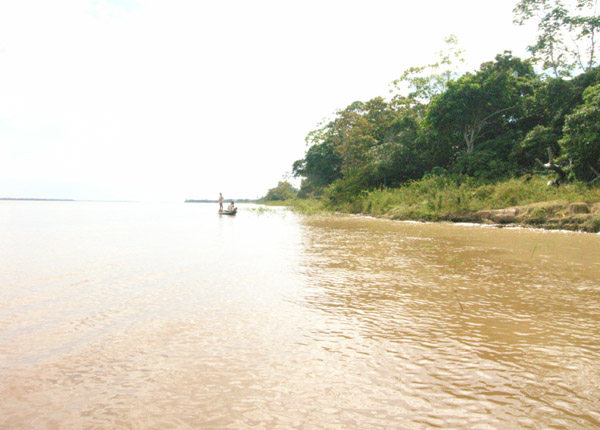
{"x": 233, "y": 212}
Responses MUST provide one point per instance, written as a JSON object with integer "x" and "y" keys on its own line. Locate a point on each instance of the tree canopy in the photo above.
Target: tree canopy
{"x": 283, "y": 191}
{"x": 567, "y": 39}
{"x": 491, "y": 123}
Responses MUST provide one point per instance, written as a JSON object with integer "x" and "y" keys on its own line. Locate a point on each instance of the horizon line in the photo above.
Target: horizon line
{"x": 43, "y": 199}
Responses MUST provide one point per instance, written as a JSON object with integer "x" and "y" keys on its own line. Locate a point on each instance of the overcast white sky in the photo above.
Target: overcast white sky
{"x": 173, "y": 99}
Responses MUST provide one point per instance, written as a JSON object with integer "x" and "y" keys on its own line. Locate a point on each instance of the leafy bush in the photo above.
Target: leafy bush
{"x": 448, "y": 197}
{"x": 483, "y": 164}
{"x": 535, "y": 145}
{"x": 581, "y": 136}
{"x": 283, "y": 191}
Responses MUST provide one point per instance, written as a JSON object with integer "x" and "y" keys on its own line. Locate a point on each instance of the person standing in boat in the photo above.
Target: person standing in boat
{"x": 220, "y": 202}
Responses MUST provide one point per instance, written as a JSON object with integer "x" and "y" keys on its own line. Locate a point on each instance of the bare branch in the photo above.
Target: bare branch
{"x": 552, "y": 166}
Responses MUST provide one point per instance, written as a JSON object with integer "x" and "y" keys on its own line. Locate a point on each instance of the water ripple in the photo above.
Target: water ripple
{"x": 266, "y": 321}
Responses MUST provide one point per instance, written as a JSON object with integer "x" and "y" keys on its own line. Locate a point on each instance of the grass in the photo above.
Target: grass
{"x": 305, "y": 206}
{"x": 437, "y": 198}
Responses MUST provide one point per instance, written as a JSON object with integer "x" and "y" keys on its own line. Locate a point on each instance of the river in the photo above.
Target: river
{"x": 169, "y": 316}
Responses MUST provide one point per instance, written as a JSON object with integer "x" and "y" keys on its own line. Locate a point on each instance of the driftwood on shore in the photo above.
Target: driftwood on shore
{"x": 578, "y": 216}
{"x": 553, "y": 167}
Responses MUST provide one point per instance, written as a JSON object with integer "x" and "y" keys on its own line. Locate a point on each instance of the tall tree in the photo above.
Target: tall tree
{"x": 481, "y": 106}
{"x": 567, "y": 34}
{"x": 425, "y": 82}
{"x": 283, "y": 191}
{"x": 320, "y": 167}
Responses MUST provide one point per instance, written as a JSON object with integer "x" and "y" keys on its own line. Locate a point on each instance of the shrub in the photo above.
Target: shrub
{"x": 283, "y": 191}
{"x": 581, "y": 135}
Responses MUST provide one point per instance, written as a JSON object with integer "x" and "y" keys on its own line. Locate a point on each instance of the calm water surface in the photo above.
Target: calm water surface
{"x": 167, "y": 316}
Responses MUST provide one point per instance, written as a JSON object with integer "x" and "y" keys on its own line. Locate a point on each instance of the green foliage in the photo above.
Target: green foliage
{"x": 321, "y": 166}
{"x": 547, "y": 108}
{"x": 593, "y": 224}
{"x": 283, "y": 191}
{"x": 566, "y": 39}
{"x": 307, "y": 206}
{"x": 450, "y": 132}
{"x": 426, "y": 82}
{"x": 344, "y": 192}
{"x": 551, "y": 102}
{"x": 484, "y": 164}
{"x": 453, "y": 145}
{"x": 481, "y": 106}
{"x": 534, "y": 146}
{"x": 459, "y": 197}
{"x": 581, "y": 139}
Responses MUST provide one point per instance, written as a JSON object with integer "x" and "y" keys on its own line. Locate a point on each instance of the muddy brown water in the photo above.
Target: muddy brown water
{"x": 158, "y": 316}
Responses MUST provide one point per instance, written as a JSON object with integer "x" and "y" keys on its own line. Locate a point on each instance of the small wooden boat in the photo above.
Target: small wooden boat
{"x": 233, "y": 212}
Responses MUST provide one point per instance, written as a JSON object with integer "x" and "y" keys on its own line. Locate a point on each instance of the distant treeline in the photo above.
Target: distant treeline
{"x": 216, "y": 201}
{"x": 36, "y": 200}
{"x": 503, "y": 120}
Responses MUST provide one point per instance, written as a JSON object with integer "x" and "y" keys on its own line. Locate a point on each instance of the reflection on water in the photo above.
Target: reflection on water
{"x": 167, "y": 316}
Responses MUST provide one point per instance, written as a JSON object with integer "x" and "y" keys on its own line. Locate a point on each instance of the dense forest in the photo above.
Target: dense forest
{"x": 511, "y": 118}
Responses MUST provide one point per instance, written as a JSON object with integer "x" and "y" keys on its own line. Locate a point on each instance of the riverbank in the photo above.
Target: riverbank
{"x": 554, "y": 215}
{"x": 527, "y": 201}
